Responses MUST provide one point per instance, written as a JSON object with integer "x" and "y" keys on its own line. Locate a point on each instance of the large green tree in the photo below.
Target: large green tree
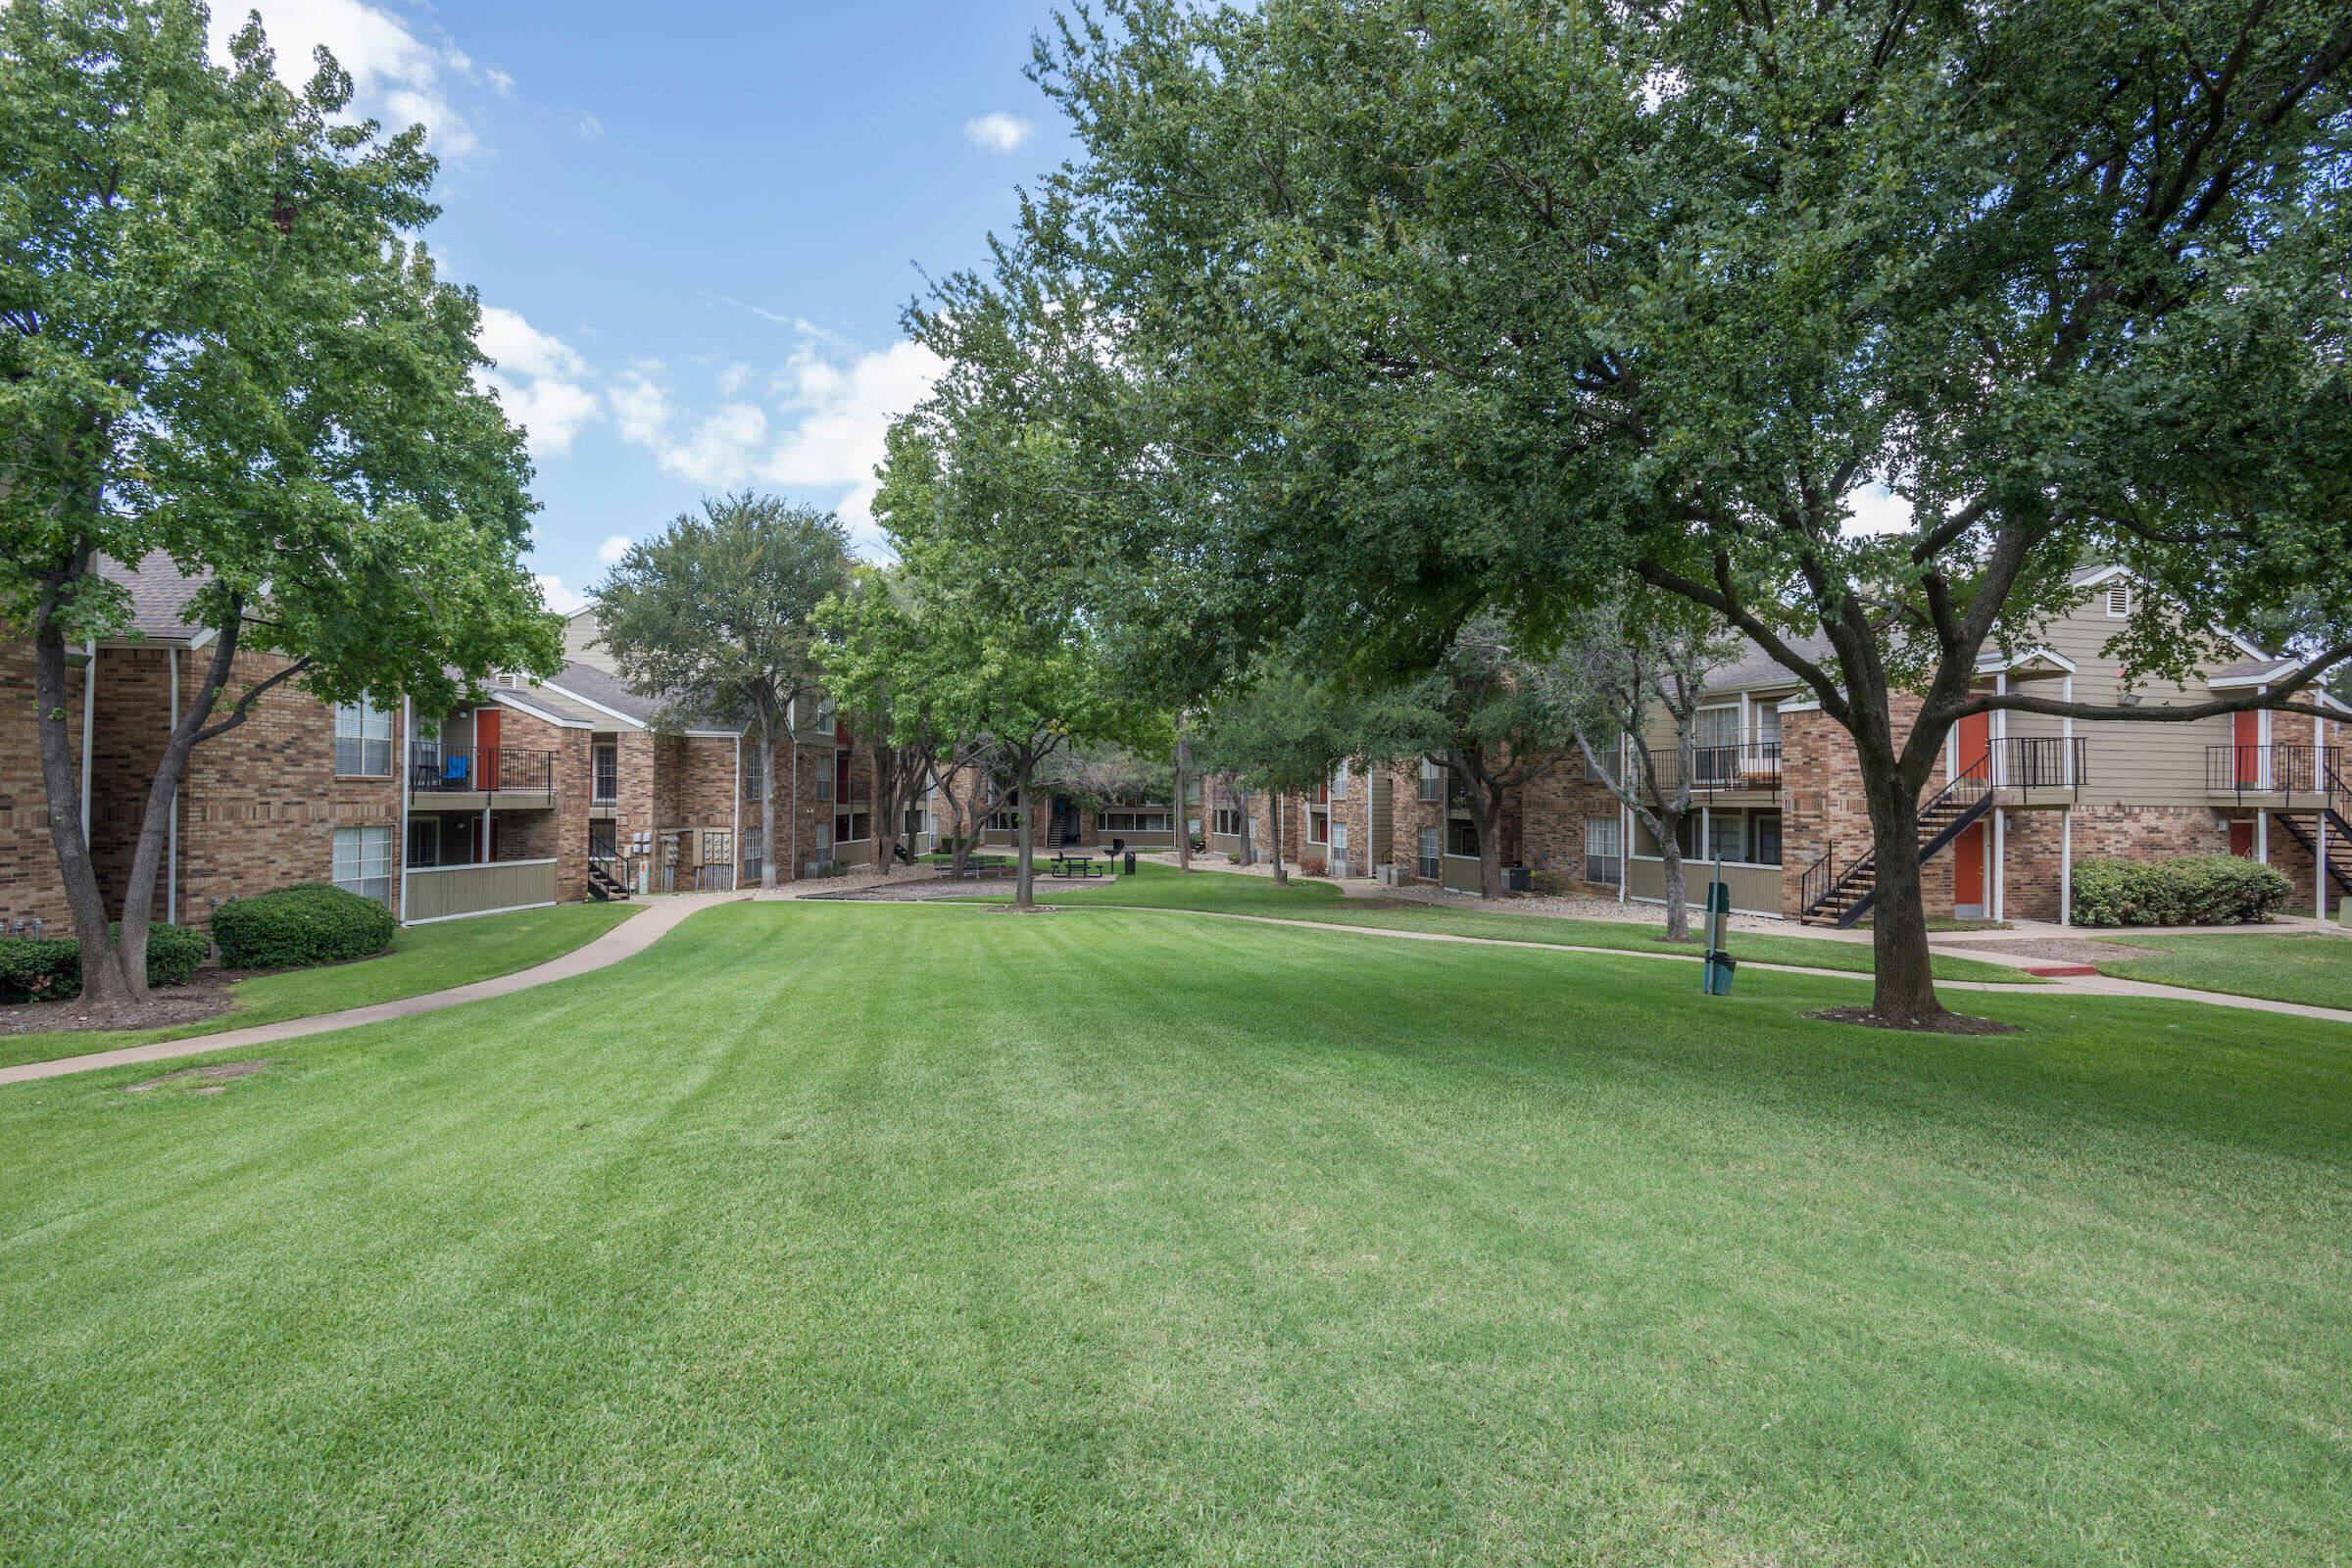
{"x": 718, "y": 615}
{"x": 1280, "y": 733}
{"x": 218, "y": 342}
{"x": 1443, "y": 305}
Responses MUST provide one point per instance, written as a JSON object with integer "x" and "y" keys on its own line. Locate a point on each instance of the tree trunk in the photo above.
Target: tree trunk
{"x": 792, "y": 817}
{"x": 1678, "y": 899}
{"x": 886, "y": 811}
{"x": 1024, "y": 885}
{"x": 1486, "y": 809}
{"x": 102, "y": 975}
{"x": 1183, "y": 819}
{"x": 1903, "y": 988}
{"x": 767, "y": 800}
{"x": 1282, "y": 876}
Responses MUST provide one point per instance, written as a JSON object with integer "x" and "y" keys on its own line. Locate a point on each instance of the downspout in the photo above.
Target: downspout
{"x": 735, "y": 822}
{"x": 171, "y": 832}
{"x": 1997, "y": 771}
{"x": 2066, "y": 866}
{"x": 407, "y": 732}
{"x": 89, "y": 725}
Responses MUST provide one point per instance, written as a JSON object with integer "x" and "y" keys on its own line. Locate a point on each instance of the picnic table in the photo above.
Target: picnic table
{"x": 1078, "y": 865}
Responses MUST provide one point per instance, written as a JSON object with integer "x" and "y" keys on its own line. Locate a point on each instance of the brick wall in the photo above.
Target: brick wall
{"x": 1822, "y": 806}
{"x": 29, "y": 886}
{"x": 1551, "y": 816}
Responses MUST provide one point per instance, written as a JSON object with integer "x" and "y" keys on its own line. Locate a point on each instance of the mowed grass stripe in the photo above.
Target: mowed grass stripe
{"x": 879, "y": 1233}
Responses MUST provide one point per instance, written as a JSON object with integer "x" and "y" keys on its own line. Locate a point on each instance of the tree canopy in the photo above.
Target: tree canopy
{"x": 220, "y": 342}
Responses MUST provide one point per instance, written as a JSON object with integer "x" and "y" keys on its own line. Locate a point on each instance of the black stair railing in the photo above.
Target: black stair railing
{"x": 1944, "y": 816}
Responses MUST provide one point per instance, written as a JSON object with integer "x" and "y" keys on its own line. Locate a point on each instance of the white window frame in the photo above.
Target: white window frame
{"x": 1604, "y": 833}
{"x": 363, "y": 726}
{"x": 2118, "y": 601}
{"x": 1339, "y": 782}
{"x": 362, "y": 861}
{"x": 1429, "y": 851}
{"x": 1433, "y": 782}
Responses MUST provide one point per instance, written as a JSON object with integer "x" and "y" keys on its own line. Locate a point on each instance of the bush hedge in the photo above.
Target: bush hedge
{"x": 309, "y": 923}
{"x": 45, "y": 969}
{"x": 2187, "y": 890}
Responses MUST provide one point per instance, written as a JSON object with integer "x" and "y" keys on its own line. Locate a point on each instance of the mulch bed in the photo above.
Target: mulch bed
{"x": 1952, "y": 1023}
{"x": 2058, "y": 950}
{"x": 205, "y": 997}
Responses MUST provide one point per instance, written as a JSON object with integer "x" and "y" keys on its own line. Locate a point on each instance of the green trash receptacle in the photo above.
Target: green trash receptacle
{"x": 1719, "y": 967}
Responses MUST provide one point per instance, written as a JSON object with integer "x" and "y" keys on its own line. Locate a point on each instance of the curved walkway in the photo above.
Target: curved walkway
{"x": 631, "y": 937}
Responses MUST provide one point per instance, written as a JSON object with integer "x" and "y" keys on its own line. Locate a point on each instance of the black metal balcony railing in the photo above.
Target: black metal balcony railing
{"x": 481, "y": 771}
{"x": 2276, "y": 769}
{"x": 1719, "y": 769}
{"x": 2039, "y": 763}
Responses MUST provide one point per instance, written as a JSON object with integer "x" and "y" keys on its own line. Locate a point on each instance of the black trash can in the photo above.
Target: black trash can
{"x": 1127, "y": 867}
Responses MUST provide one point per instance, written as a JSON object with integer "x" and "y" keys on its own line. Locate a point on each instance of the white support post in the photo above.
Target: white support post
{"x": 735, "y": 822}
{"x": 2319, "y": 873}
{"x": 2000, "y": 859}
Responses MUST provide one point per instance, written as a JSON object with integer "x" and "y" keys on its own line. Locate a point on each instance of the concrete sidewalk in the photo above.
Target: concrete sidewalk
{"x": 631, "y": 937}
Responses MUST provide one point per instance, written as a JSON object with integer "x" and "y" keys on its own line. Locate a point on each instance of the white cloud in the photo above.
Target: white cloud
{"x": 1875, "y": 508}
{"x": 501, "y": 82}
{"x": 823, "y": 429}
{"x": 396, "y": 75}
{"x": 560, "y": 599}
{"x": 591, "y": 128}
{"x": 540, "y": 378}
{"x": 998, "y": 132}
{"x": 612, "y": 549}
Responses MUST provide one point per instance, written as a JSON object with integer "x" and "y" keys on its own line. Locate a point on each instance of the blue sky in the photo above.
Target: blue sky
{"x": 694, "y": 225}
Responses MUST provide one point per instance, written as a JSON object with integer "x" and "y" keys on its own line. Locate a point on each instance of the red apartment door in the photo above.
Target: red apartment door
{"x": 1972, "y": 740}
{"x": 2241, "y": 838}
{"x": 1968, "y": 873}
{"x": 486, "y": 749}
{"x": 2247, "y": 736}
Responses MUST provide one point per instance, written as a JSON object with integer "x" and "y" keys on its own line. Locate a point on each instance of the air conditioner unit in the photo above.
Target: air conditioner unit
{"x": 1391, "y": 875}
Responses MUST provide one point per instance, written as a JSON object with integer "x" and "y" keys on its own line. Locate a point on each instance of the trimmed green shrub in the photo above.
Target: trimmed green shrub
{"x": 45, "y": 969}
{"x": 1544, "y": 882}
{"x": 2187, "y": 890}
{"x": 297, "y": 926}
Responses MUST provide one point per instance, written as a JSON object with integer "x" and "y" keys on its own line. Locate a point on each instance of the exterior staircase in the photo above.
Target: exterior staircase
{"x": 1831, "y": 896}
{"x": 605, "y": 881}
{"x": 2334, "y": 808}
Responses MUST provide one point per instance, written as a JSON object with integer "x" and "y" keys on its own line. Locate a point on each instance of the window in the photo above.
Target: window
{"x": 1425, "y": 864}
{"x": 1768, "y": 726}
{"x": 1191, "y": 792}
{"x": 754, "y": 853}
{"x": 362, "y": 861}
{"x": 754, "y": 771}
{"x": 1318, "y": 827}
{"x": 2119, "y": 601}
{"x": 424, "y": 841}
{"x": 1727, "y": 836}
{"x": 607, "y": 786}
{"x": 1227, "y": 822}
{"x": 1339, "y": 783}
{"x": 851, "y": 827}
{"x": 1461, "y": 840}
{"x": 1433, "y": 781}
{"x": 1604, "y": 861}
{"x": 1715, "y": 745}
{"x": 363, "y": 739}
{"x": 1765, "y": 850}
{"x": 1007, "y": 817}
{"x": 1134, "y": 821}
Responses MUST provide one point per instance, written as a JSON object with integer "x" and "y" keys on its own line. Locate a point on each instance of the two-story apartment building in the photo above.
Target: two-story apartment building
{"x": 2015, "y": 799}
{"x": 537, "y": 792}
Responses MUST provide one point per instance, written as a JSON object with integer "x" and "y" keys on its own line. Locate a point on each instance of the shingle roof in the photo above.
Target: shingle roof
{"x": 1753, "y": 666}
{"x": 2249, "y": 666}
{"x": 554, "y": 704}
{"x": 607, "y": 689}
{"x": 160, "y": 594}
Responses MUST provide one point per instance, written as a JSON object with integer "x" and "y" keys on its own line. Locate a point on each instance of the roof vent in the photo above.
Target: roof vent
{"x": 2118, "y": 599}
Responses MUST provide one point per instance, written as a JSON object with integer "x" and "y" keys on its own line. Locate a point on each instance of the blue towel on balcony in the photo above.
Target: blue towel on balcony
{"x": 456, "y": 768}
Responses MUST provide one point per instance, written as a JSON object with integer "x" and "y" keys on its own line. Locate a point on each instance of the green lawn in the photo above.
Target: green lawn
{"x": 2310, "y": 968}
{"x": 903, "y": 1235}
{"x": 425, "y": 957}
{"x": 1163, "y": 887}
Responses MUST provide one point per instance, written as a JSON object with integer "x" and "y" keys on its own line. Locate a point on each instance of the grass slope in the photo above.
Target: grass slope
{"x": 904, "y": 1235}
{"x": 422, "y": 959}
{"x": 2311, "y": 968}
{"x": 1163, "y": 887}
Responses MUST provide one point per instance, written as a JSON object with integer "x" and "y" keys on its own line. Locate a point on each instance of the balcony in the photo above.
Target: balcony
{"x": 1729, "y": 768}
{"x": 2030, "y": 764}
{"x": 504, "y": 774}
{"x": 2275, "y": 774}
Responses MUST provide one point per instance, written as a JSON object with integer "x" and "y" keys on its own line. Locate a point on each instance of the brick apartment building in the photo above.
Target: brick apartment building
{"x": 537, "y": 793}
{"x": 2015, "y": 800}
